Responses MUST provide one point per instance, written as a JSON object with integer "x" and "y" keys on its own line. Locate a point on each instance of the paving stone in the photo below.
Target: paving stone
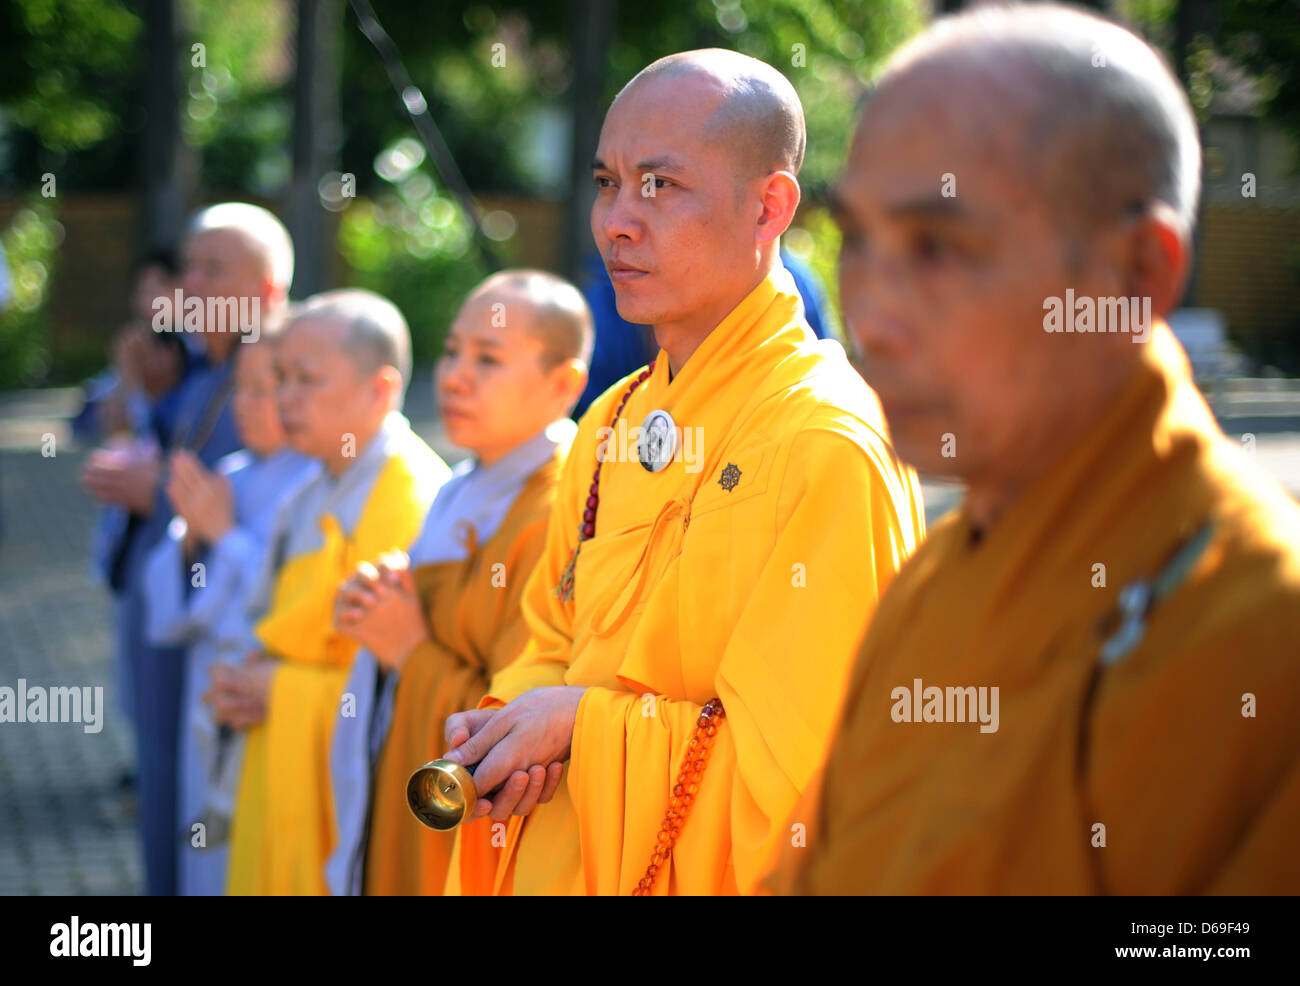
{"x": 56, "y": 629}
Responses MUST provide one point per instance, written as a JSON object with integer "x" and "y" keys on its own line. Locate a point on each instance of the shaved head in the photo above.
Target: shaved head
{"x": 695, "y": 185}
{"x": 375, "y": 333}
{"x": 558, "y": 315}
{"x": 1101, "y": 122}
{"x": 1010, "y": 158}
{"x": 759, "y": 114}
{"x": 263, "y": 235}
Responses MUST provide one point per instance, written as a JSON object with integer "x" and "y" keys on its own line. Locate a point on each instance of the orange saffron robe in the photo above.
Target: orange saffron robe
{"x": 747, "y": 570}
{"x": 1172, "y": 769}
{"x": 475, "y": 629}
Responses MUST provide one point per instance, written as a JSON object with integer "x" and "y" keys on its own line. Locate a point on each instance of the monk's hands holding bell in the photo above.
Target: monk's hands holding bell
{"x": 240, "y": 693}
{"x": 462, "y": 725}
{"x": 510, "y": 745}
{"x": 380, "y": 609}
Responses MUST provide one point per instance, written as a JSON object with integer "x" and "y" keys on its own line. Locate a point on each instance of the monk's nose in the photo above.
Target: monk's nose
{"x": 620, "y": 222}
{"x": 455, "y": 379}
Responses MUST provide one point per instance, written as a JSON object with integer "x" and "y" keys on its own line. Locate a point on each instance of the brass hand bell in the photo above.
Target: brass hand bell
{"x": 441, "y": 793}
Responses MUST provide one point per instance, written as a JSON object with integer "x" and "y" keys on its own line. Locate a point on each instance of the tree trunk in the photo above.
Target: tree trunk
{"x": 317, "y": 137}
{"x": 164, "y": 180}
{"x": 591, "y": 29}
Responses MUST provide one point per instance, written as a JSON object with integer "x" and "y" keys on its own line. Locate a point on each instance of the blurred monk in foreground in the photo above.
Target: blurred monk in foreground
{"x": 1084, "y": 682}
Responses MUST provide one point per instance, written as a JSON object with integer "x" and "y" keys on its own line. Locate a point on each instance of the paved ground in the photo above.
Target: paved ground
{"x": 64, "y": 829}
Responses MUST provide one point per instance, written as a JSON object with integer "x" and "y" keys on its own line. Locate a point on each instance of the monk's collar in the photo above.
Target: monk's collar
{"x": 742, "y": 331}
{"x": 525, "y": 459}
{"x": 385, "y": 442}
{"x": 1122, "y": 431}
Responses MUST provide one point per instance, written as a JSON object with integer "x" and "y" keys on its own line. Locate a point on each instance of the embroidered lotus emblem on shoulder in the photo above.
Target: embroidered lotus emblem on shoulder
{"x": 730, "y": 477}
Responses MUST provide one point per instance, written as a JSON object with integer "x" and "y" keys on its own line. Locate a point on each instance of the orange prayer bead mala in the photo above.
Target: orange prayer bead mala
{"x": 684, "y": 791}
{"x": 711, "y": 716}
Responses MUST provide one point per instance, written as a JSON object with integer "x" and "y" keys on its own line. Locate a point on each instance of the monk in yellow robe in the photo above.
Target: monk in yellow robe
{"x": 342, "y": 365}
{"x": 1085, "y": 681}
{"x": 725, "y": 522}
{"x": 437, "y": 623}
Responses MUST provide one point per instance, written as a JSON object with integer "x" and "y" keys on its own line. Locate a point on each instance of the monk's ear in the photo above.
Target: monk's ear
{"x": 568, "y": 380}
{"x": 1158, "y": 258}
{"x": 780, "y": 200}
{"x": 387, "y": 382}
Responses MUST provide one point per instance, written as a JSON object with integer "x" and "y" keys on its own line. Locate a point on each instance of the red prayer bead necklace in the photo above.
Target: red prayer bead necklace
{"x": 587, "y": 529}
{"x": 711, "y": 716}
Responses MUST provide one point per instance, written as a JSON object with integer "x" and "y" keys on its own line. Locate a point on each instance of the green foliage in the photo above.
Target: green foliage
{"x": 69, "y": 85}
{"x": 70, "y": 48}
{"x": 1264, "y": 37}
{"x": 411, "y": 244}
{"x": 31, "y": 244}
{"x": 1260, "y": 36}
{"x": 481, "y": 109}
{"x": 828, "y": 51}
{"x": 235, "y": 105}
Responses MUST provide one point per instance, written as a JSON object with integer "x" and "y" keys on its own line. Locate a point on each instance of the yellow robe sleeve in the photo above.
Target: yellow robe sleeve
{"x": 838, "y": 545}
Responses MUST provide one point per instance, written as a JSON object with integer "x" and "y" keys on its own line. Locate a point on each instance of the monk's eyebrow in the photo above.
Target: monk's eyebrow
{"x": 665, "y": 163}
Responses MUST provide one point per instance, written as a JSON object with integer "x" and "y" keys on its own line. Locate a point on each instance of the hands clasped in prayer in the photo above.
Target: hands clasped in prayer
{"x": 240, "y": 693}
{"x": 201, "y": 497}
{"x": 123, "y": 474}
{"x": 510, "y": 745}
{"x": 519, "y": 750}
{"x": 379, "y": 608}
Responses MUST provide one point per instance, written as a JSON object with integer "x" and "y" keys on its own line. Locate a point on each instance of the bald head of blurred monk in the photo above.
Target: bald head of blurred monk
{"x": 236, "y": 250}
{"x": 513, "y": 356}
{"x": 1075, "y": 164}
{"x": 233, "y": 251}
{"x": 343, "y": 364}
{"x": 1120, "y": 580}
{"x": 655, "y": 599}
{"x": 695, "y": 183}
